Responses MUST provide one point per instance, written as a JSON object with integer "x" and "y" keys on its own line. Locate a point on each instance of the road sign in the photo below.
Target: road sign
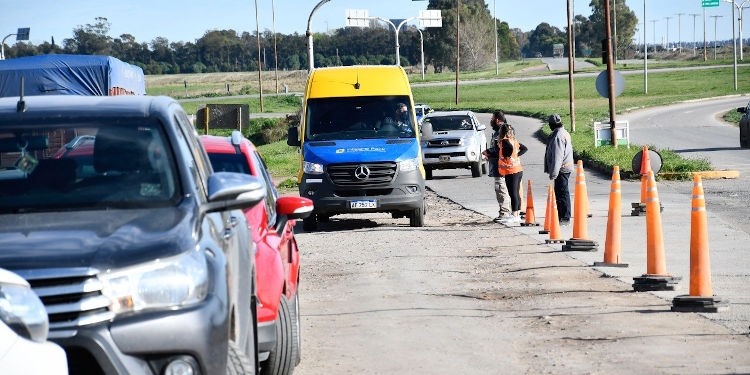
{"x": 709, "y": 3}
{"x": 430, "y": 18}
{"x": 23, "y": 33}
{"x": 357, "y": 17}
{"x": 602, "y": 86}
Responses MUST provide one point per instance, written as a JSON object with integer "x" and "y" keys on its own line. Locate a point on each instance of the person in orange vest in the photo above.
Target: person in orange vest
{"x": 509, "y": 165}
{"x": 492, "y": 155}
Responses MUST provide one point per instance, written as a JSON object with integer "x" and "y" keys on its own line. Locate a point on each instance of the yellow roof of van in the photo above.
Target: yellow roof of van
{"x": 373, "y": 81}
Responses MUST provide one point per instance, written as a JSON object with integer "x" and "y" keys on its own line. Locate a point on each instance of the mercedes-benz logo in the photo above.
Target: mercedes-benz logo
{"x": 362, "y": 172}
{"x": 444, "y": 143}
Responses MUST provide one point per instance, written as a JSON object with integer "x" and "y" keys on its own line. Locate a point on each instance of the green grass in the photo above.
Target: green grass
{"x": 506, "y": 69}
{"x": 732, "y": 117}
{"x": 281, "y": 159}
{"x": 271, "y": 104}
{"x": 202, "y": 90}
{"x": 540, "y": 98}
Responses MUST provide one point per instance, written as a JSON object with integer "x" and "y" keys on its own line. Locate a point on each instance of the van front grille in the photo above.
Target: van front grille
{"x": 362, "y": 174}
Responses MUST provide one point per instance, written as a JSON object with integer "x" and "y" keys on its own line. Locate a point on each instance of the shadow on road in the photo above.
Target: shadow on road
{"x": 709, "y": 149}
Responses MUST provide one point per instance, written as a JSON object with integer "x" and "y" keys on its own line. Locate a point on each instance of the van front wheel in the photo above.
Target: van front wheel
{"x": 416, "y": 217}
{"x": 475, "y": 170}
{"x": 309, "y": 223}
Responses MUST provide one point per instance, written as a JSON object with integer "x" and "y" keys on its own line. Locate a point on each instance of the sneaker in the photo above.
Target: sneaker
{"x": 511, "y": 221}
{"x": 564, "y": 222}
{"x": 499, "y": 219}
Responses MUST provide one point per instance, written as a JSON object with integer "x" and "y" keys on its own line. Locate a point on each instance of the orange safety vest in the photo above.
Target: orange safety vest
{"x": 512, "y": 164}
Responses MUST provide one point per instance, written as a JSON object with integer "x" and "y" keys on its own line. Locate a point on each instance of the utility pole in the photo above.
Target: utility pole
{"x": 570, "y": 74}
{"x": 679, "y": 31}
{"x": 610, "y": 77}
{"x": 494, "y": 17}
{"x": 645, "y": 52}
{"x": 734, "y": 46}
{"x": 458, "y": 44}
{"x": 742, "y": 10}
{"x": 668, "y": 18}
{"x": 716, "y": 18}
{"x": 275, "y": 51}
{"x": 694, "y": 44}
{"x": 260, "y": 69}
{"x": 705, "y": 56}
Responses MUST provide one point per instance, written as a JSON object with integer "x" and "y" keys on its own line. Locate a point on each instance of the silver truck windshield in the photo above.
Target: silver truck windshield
{"x": 445, "y": 123}
{"x": 359, "y": 117}
{"x": 52, "y": 167}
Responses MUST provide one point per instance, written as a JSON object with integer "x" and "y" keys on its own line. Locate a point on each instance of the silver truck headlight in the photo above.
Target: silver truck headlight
{"x": 312, "y": 168}
{"x": 408, "y": 165}
{"x": 162, "y": 284}
{"x": 23, "y": 312}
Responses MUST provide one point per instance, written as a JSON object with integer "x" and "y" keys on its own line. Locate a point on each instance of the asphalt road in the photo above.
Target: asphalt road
{"x": 728, "y": 231}
{"x": 555, "y": 63}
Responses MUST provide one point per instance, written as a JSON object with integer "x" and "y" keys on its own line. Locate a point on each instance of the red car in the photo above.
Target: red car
{"x": 277, "y": 258}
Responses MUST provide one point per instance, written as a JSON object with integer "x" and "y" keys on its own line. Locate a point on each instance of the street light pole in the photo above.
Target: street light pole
{"x": 734, "y": 48}
{"x": 679, "y": 31}
{"x": 421, "y": 49}
{"x": 705, "y": 56}
{"x": 645, "y": 52}
{"x": 694, "y": 44}
{"x": 275, "y": 51}
{"x": 654, "y": 22}
{"x": 570, "y": 74}
{"x": 494, "y": 17}
{"x": 458, "y": 43}
{"x": 309, "y": 34}
{"x": 2, "y": 47}
{"x": 668, "y": 18}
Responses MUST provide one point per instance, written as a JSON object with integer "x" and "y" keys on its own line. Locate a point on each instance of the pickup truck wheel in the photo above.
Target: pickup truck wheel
{"x": 280, "y": 360}
{"x": 416, "y": 217}
{"x": 475, "y": 170}
{"x": 484, "y": 168}
{"x": 428, "y": 173}
{"x": 309, "y": 223}
{"x": 237, "y": 362}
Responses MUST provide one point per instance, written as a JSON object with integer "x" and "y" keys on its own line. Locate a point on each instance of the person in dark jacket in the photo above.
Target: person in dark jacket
{"x": 558, "y": 164}
{"x": 491, "y": 154}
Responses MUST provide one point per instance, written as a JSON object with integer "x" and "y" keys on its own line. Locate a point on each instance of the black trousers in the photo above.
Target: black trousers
{"x": 562, "y": 196}
{"x": 513, "y": 182}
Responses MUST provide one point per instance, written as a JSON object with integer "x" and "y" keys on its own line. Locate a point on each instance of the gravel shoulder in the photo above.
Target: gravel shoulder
{"x": 464, "y": 295}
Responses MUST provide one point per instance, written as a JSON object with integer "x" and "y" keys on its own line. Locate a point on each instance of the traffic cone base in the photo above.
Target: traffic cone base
{"x": 543, "y": 231}
{"x": 686, "y": 303}
{"x": 647, "y": 283}
{"x": 604, "y": 264}
{"x": 574, "y": 244}
{"x": 530, "y": 225}
{"x": 551, "y": 241}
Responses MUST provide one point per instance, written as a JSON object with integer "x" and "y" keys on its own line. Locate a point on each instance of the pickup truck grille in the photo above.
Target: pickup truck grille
{"x": 72, "y": 296}
{"x": 362, "y": 174}
{"x": 444, "y": 142}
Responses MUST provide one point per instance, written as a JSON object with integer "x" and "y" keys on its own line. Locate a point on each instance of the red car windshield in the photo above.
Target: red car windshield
{"x": 222, "y": 162}
{"x": 51, "y": 167}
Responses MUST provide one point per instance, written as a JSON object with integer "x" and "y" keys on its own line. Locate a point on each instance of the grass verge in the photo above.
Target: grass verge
{"x": 540, "y": 98}
{"x": 732, "y": 117}
{"x": 271, "y": 104}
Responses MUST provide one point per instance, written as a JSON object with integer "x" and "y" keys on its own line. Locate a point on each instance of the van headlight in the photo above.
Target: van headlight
{"x": 162, "y": 284}
{"x": 408, "y": 165}
{"x": 312, "y": 168}
{"x": 23, "y": 312}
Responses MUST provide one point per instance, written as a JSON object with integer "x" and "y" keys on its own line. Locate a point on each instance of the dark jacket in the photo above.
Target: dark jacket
{"x": 493, "y": 152}
{"x": 558, "y": 157}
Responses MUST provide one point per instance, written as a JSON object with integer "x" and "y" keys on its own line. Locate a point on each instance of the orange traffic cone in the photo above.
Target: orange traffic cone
{"x": 530, "y": 217}
{"x": 701, "y": 298}
{"x": 586, "y": 200}
{"x": 554, "y": 231}
{"x": 639, "y": 209}
{"x": 548, "y": 211}
{"x": 613, "y": 242}
{"x": 656, "y": 277}
{"x": 580, "y": 240}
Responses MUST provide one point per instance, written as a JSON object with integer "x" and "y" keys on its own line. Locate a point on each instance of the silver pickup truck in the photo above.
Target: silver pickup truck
{"x": 453, "y": 140}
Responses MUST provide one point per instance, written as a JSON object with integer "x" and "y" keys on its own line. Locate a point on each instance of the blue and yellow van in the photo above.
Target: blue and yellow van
{"x": 359, "y": 146}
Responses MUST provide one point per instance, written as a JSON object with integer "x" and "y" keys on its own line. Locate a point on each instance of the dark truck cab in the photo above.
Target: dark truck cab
{"x": 110, "y": 209}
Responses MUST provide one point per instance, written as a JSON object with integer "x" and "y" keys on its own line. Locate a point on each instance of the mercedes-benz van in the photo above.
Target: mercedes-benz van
{"x": 359, "y": 146}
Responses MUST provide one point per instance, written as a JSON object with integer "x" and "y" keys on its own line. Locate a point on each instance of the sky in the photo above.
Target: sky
{"x": 187, "y": 20}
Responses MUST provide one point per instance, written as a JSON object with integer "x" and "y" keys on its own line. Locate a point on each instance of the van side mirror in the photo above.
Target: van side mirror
{"x": 741, "y": 110}
{"x": 293, "y": 137}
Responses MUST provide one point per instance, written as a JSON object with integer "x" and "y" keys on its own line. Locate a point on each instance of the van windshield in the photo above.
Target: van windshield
{"x": 47, "y": 167}
{"x": 359, "y": 117}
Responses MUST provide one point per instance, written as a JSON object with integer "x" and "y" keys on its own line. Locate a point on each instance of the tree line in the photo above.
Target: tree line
{"x": 230, "y": 51}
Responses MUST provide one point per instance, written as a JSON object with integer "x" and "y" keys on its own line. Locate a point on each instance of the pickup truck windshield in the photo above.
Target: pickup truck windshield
{"x": 445, "y": 123}
{"x": 360, "y": 117}
{"x": 48, "y": 167}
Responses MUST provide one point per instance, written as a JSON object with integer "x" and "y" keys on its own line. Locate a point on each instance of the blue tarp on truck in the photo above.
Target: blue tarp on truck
{"x": 70, "y": 75}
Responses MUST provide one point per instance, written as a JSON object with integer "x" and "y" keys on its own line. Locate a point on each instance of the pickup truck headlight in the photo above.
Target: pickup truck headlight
{"x": 23, "y": 312}
{"x": 161, "y": 284}
{"x": 312, "y": 168}
{"x": 408, "y": 165}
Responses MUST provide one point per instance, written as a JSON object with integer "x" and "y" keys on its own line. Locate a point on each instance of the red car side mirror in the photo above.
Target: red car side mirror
{"x": 294, "y": 207}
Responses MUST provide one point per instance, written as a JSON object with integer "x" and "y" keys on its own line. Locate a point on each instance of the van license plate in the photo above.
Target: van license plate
{"x": 445, "y": 158}
{"x": 363, "y": 204}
